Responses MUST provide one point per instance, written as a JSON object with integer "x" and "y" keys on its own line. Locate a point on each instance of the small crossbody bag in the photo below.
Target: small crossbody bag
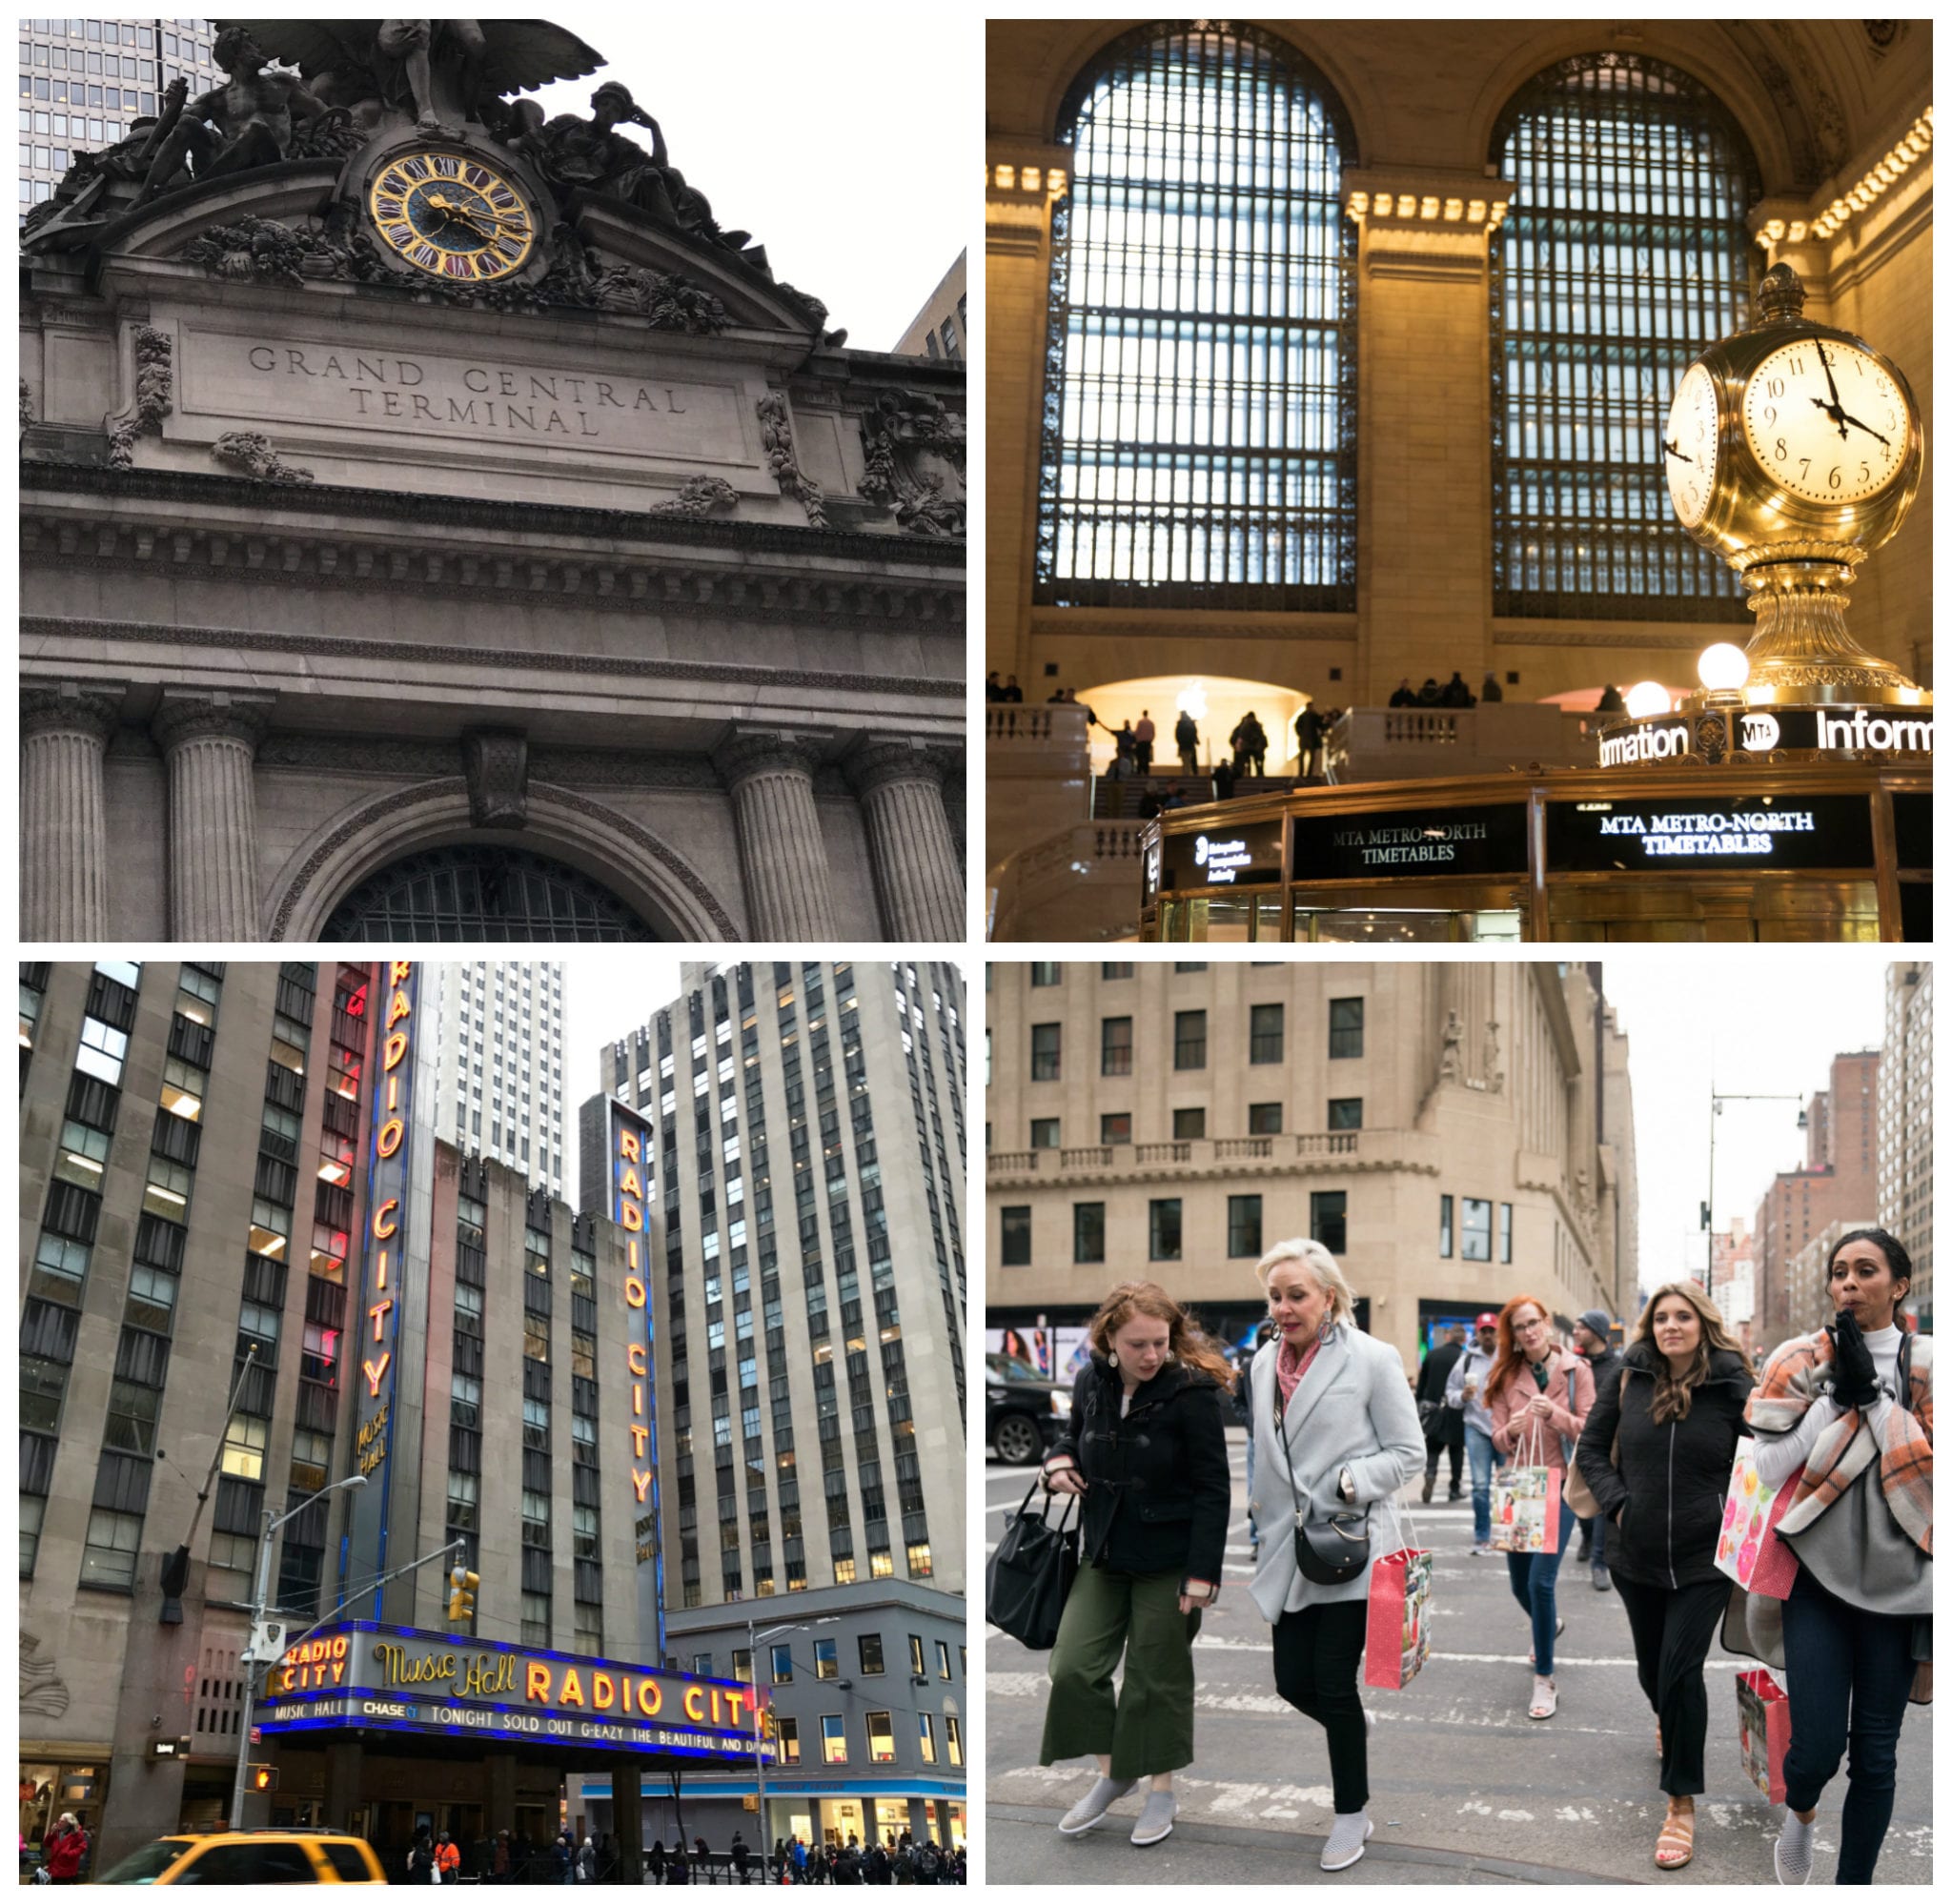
{"x": 1331, "y": 1549}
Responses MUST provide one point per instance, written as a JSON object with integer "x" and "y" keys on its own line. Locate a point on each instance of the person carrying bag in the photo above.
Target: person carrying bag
{"x": 1146, "y": 1451}
{"x": 1539, "y": 1396}
{"x": 1851, "y": 1407}
{"x": 1655, "y": 1455}
{"x": 1337, "y": 1435}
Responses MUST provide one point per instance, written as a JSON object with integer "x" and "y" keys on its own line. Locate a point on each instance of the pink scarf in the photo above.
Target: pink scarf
{"x": 1291, "y": 1365}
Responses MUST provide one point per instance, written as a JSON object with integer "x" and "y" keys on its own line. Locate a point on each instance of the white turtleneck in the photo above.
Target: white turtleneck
{"x": 1779, "y": 1456}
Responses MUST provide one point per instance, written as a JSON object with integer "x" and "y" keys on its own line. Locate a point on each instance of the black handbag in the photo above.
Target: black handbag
{"x": 1333, "y": 1550}
{"x": 1030, "y": 1574}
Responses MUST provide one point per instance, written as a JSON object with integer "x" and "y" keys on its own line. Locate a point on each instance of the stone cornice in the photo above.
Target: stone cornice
{"x": 185, "y": 490}
{"x": 351, "y": 649}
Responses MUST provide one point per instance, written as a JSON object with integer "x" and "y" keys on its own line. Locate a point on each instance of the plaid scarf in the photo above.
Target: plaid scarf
{"x": 1902, "y": 1446}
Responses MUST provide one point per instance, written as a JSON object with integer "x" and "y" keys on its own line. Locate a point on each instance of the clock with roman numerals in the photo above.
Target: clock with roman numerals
{"x": 452, "y": 216}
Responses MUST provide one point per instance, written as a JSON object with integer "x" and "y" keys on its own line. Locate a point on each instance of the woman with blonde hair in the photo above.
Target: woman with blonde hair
{"x": 1656, "y": 1452}
{"x": 1336, "y": 1434}
{"x": 1538, "y": 1394}
{"x": 1146, "y": 1449}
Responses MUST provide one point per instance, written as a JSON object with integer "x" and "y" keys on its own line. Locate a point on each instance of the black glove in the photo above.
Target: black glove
{"x": 1855, "y": 1375}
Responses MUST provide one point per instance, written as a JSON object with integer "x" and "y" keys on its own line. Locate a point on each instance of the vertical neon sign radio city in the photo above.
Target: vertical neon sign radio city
{"x": 630, "y": 1176}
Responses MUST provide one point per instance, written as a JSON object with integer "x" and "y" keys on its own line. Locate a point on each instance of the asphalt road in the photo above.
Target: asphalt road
{"x": 1465, "y": 1789}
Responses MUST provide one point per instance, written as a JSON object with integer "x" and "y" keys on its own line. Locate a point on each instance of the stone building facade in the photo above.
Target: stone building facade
{"x": 1437, "y": 1125}
{"x": 1905, "y": 1123}
{"x": 614, "y": 598}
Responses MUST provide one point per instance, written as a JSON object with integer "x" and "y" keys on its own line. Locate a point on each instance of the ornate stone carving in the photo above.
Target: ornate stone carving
{"x": 250, "y": 451}
{"x": 214, "y": 716}
{"x": 775, "y": 435}
{"x": 26, "y": 404}
{"x": 881, "y": 761}
{"x": 253, "y": 249}
{"x": 701, "y": 495}
{"x": 153, "y": 385}
{"x": 55, "y": 707}
{"x": 670, "y": 301}
{"x": 917, "y": 456}
{"x": 496, "y": 763}
{"x": 244, "y": 123}
{"x": 43, "y": 1691}
{"x": 767, "y": 751}
{"x": 1883, "y": 35}
{"x": 1452, "y": 1065}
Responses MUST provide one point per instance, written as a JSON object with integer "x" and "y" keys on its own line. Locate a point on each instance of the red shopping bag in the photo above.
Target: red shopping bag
{"x": 1762, "y": 1709}
{"x": 1398, "y": 1641}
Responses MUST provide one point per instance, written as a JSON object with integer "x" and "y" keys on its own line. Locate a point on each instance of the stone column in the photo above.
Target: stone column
{"x": 345, "y": 1767}
{"x": 769, "y": 772}
{"x": 64, "y": 736}
{"x": 914, "y": 854}
{"x": 211, "y": 741}
{"x": 627, "y": 1816}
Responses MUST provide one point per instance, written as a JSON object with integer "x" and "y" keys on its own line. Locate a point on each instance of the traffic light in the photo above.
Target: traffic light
{"x": 264, "y": 1778}
{"x": 772, "y": 1724}
{"x": 460, "y": 1598}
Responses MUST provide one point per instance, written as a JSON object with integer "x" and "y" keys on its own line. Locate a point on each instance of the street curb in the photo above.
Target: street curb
{"x": 1288, "y": 1844}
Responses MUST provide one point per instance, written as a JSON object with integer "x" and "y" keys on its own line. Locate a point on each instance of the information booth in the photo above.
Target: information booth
{"x": 1761, "y": 852}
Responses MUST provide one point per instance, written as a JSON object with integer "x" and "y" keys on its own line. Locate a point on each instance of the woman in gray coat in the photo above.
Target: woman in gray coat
{"x": 1334, "y": 1428}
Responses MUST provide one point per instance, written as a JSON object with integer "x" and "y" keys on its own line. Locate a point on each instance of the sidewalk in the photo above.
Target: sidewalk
{"x": 1024, "y": 1847}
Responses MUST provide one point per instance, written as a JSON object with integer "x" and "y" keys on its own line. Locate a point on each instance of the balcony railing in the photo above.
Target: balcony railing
{"x": 1194, "y": 1154}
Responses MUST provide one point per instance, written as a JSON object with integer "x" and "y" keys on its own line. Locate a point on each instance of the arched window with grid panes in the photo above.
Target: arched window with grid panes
{"x": 1199, "y": 402}
{"x": 1625, "y": 251}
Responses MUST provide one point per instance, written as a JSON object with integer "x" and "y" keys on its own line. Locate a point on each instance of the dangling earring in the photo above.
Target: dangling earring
{"x": 1111, "y": 1358}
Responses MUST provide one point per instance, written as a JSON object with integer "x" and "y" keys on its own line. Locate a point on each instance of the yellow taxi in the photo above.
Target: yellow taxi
{"x": 275, "y": 1856}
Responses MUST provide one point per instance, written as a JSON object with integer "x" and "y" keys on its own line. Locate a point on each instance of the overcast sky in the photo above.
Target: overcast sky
{"x": 1741, "y": 1022}
{"x": 843, "y": 142}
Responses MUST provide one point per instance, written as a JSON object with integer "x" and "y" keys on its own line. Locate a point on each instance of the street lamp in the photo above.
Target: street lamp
{"x": 1716, "y": 1100}
{"x": 758, "y": 1742}
{"x": 257, "y": 1612}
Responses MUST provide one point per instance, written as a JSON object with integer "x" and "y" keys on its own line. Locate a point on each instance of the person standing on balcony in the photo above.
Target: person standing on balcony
{"x": 1308, "y": 735}
{"x": 1143, "y": 734}
{"x": 1185, "y": 736}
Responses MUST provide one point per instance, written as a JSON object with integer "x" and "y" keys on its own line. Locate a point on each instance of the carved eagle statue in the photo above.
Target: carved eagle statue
{"x": 521, "y": 54}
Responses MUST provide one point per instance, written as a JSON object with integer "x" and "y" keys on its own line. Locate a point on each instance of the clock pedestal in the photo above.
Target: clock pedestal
{"x": 1801, "y": 653}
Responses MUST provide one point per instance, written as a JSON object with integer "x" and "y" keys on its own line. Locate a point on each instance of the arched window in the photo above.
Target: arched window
{"x": 1199, "y": 405}
{"x": 493, "y": 894}
{"x": 1624, "y": 251}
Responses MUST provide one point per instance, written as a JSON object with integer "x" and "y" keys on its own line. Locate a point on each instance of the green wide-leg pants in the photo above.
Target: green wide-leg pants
{"x": 1146, "y": 1723}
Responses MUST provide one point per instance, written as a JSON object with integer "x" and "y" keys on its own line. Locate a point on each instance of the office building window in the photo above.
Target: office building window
{"x": 1475, "y": 1237}
{"x": 1115, "y": 1047}
{"x": 1043, "y": 1133}
{"x": 1327, "y": 1219}
{"x": 1165, "y": 1230}
{"x": 833, "y": 1739}
{"x": 1345, "y": 1027}
{"x": 1264, "y": 1037}
{"x": 1189, "y": 1041}
{"x": 881, "y": 1739}
{"x": 1444, "y": 1226}
{"x": 869, "y": 1645}
{"x": 1087, "y": 1232}
{"x": 1504, "y": 1232}
{"x": 1115, "y": 1127}
{"x": 1046, "y": 973}
{"x": 1345, "y": 1113}
{"x": 1189, "y": 1122}
{"x": 1264, "y": 1120}
{"x": 1046, "y": 1052}
{"x": 1243, "y": 1225}
{"x": 1016, "y": 1235}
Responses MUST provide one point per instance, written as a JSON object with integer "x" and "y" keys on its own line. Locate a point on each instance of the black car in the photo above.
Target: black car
{"x": 1025, "y": 1409}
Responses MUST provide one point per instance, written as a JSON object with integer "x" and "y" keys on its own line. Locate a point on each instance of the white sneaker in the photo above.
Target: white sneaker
{"x": 1351, "y": 1833}
{"x": 1095, "y": 1805}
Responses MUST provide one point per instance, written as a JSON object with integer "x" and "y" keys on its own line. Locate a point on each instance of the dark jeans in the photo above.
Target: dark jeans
{"x": 1852, "y": 1672}
{"x": 1317, "y": 1658}
{"x": 1534, "y": 1586}
{"x": 1673, "y": 1631}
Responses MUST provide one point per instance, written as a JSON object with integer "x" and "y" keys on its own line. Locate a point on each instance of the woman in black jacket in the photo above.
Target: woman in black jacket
{"x": 1146, "y": 1449}
{"x": 1656, "y": 1452}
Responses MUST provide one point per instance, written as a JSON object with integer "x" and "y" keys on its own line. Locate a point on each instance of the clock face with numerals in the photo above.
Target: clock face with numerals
{"x": 1826, "y": 421}
{"x": 449, "y": 214}
{"x": 1689, "y": 444}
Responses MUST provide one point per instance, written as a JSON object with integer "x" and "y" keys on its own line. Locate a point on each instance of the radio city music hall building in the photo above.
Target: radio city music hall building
{"x": 230, "y": 1184}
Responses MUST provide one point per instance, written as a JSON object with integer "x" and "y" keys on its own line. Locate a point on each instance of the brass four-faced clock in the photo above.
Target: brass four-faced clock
{"x": 1792, "y": 449}
{"x": 452, "y": 216}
